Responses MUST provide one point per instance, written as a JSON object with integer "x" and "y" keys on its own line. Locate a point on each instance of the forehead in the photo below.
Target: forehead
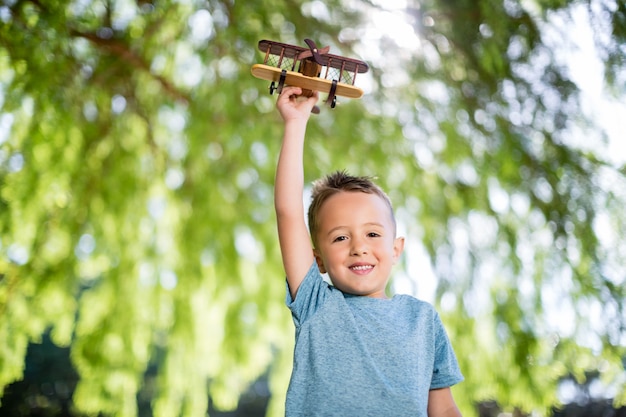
{"x": 353, "y": 206}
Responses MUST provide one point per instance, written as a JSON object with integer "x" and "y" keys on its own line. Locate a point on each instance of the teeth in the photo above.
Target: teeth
{"x": 362, "y": 267}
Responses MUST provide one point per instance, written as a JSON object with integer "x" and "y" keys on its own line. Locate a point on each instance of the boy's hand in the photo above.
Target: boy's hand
{"x": 292, "y": 106}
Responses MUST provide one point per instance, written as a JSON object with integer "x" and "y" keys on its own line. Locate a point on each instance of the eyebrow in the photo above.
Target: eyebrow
{"x": 370, "y": 224}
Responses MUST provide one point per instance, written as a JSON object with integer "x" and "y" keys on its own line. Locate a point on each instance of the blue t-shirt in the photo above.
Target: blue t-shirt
{"x": 362, "y": 356}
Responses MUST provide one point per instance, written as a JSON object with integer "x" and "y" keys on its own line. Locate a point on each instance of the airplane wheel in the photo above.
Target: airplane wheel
{"x": 272, "y": 87}
{"x": 333, "y": 103}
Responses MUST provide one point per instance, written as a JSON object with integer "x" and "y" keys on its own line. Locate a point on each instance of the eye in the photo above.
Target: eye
{"x": 340, "y": 238}
{"x": 373, "y": 234}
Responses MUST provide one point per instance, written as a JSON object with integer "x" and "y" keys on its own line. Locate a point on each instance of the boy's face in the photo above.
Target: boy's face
{"x": 356, "y": 243}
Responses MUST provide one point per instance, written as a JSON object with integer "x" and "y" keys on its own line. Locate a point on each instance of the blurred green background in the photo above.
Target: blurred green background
{"x": 140, "y": 272}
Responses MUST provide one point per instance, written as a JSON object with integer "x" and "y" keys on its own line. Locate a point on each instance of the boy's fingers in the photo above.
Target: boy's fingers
{"x": 313, "y": 99}
{"x": 293, "y": 95}
{"x": 290, "y": 91}
{"x": 288, "y": 94}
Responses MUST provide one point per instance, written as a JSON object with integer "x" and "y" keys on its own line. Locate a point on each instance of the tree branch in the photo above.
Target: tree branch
{"x": 122, "y": 51}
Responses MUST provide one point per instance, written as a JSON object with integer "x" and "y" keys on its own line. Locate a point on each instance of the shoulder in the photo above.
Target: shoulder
{"x": 313, "y": 293}
{"x": 410, "y": 303}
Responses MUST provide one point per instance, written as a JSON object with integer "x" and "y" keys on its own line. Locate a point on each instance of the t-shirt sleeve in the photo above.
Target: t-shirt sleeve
{"x": 311, "y": 294}
{"x": 446, "y": 371}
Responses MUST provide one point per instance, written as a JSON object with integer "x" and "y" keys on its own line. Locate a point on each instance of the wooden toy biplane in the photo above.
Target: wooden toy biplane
{"x": 312, "y": 69}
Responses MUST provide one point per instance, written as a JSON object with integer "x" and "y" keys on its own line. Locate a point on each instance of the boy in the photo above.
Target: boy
{"x": 357, "y": 352}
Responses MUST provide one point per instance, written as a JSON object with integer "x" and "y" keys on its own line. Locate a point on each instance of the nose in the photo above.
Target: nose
{"x": 359, "y": 247}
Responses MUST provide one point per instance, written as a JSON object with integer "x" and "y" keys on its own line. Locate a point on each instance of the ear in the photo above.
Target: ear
{"x": 320, "y": 262}
{"x": 398, "y": 247}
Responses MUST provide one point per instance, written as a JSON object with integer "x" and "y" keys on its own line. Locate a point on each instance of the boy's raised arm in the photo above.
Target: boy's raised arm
{"x": 295, "y": 242}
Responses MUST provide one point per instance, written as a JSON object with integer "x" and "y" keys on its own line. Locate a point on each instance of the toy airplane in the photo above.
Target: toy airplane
{"x": 312, "y": 69}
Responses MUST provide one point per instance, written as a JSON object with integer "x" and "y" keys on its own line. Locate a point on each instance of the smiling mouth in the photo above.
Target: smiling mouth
{"x": 361, "y": 268}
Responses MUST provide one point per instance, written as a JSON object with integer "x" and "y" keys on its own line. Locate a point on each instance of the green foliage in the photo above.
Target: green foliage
{"x": 136, "y": 216}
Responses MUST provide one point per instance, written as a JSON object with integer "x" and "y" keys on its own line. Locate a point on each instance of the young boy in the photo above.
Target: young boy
{"x": 357, "y": 352}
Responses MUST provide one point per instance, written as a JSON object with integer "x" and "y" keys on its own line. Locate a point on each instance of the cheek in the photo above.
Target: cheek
{"x": 389, "y": 252}
{"x": 330, "y": 260}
